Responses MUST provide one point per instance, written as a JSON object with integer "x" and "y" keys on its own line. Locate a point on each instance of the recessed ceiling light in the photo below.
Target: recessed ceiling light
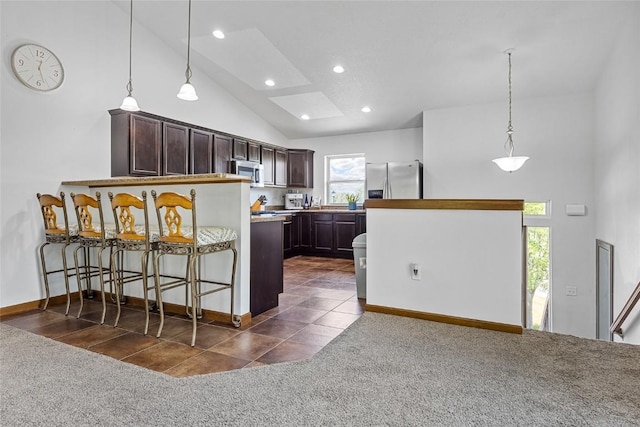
{"x": 218, "y": 34}
{"x": 338, "y": 69}
{"x": 269, "y": 82}
{"x": 366, "y": 109}
{"x": 305, "y": 117}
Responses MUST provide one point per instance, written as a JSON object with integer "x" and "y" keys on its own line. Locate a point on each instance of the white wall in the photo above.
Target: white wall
{"x": 557, "y": 133}
{"x": 617, "y": 171}
{"x": 460, "y": 275}
{"x": 65, "y": 135}
{"x": 385, "y": 146}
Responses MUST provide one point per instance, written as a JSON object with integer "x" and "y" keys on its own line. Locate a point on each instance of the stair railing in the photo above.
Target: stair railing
{"x": 616, "y": 326}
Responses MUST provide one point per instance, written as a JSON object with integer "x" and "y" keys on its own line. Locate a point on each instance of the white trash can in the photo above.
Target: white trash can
{"x": 360, "y": 260}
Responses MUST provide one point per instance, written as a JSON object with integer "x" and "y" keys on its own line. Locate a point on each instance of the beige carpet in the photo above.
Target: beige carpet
{"x": 384, "y": 370}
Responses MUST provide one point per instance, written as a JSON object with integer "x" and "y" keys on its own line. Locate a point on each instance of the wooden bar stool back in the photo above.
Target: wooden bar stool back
{"x": 133, "y": 236}
{"x": 92, "y": 234}
{"x": 52, "y": 208}
{"x": 192, "y": 242}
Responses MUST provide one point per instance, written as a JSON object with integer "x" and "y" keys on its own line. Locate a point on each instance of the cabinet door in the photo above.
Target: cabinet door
{"x": 239, "y": 149}
{"x": 305, "y": 231}
{"x": 344, "y": 232}
{"x": 287, "y": 244}
{"x": 145, "y": 146}
{"x": 322, "y": 233}
{"x": 266, "y": 266}
{"x": 175, "y": 149}
{"x": 295, "y": 232}
{"x": 280, "y": 177}
{"x": 361, "y": 223}
{"x": 221, "y": 153}
{"x": 201, "y": 152}
{"x": 253, "y": 152}
{"x": 268, "y": 162}
{"x": 300, "y": 168}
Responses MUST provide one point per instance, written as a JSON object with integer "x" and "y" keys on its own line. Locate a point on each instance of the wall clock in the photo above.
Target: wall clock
{"x": 37, "y": 67}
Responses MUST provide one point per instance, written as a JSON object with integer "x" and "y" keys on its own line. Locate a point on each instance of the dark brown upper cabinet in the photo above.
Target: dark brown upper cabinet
{"x": 136, "y": 145}
{"x": 175, "y": 149}
{"x": 201, "y": 152}
{"x": 221, "y": 153}
{"x": 280, "y": 176}
{"x": 253, "y": 152}
{"x": 300, "y": 168}
{"x": 268, "y": 163}
{"x": 239, "y": 149}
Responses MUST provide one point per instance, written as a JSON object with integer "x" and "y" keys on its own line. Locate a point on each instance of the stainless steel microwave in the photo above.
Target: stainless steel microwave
{"x": 251, "y": 169}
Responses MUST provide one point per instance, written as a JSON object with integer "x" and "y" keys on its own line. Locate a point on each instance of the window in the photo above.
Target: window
{"x": 344, "y": 174}
{"x": 536, "y": 209}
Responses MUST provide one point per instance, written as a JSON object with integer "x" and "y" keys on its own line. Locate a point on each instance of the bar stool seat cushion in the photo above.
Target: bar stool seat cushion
{"x": 73, "y": 230}
{"x": 210, "y": 235}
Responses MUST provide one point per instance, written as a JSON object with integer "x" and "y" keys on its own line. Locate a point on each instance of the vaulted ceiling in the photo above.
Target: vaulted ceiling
{"x": 400, "y": 57}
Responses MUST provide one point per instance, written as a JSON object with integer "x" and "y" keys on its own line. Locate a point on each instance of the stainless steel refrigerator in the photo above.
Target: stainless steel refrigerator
{"x": 394, "y": 180}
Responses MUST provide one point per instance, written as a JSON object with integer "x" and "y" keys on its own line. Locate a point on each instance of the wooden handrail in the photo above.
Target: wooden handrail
{"x": 616, "y": 326}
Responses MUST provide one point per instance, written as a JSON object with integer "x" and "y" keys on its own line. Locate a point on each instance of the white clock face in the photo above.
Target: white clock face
{"x": 37, "y": 67}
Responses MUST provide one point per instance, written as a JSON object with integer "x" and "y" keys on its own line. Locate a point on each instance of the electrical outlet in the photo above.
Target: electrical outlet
{"x": 571, "y": 291}
{"x": 416, "y": 273}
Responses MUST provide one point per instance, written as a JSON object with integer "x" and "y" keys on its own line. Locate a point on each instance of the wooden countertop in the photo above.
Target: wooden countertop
{"x": 210, "y": 178}
{"x": 450, "y": 204}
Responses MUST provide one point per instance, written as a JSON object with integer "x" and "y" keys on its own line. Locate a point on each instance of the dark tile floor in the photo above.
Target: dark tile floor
{"x": 318, "y": 303}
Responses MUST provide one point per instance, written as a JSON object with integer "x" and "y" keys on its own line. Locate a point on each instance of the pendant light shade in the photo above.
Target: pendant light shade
{"x": 129, "y": 103}
{"x": 510, "y": 163}
{"x": 187, "y": 91}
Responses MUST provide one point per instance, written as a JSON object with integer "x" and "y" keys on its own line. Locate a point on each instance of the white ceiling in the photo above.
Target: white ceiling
{"x": 401, "y": 57}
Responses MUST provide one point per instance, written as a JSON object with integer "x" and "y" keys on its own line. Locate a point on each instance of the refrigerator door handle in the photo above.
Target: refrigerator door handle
{"x": 387, "y": 189}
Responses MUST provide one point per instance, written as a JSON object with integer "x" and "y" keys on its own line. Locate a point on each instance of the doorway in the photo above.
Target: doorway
{"x": 537, "y": 287}
{"x": 604, "y": 290}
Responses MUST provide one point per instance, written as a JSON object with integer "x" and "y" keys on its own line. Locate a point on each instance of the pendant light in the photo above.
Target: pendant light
{"x": 187, "y": 91}
{"x": 510, "y": 163}
{"x": 129, "y": 103}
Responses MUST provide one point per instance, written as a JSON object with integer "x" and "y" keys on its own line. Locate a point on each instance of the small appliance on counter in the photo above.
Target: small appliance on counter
{"x": 293, "y": 201}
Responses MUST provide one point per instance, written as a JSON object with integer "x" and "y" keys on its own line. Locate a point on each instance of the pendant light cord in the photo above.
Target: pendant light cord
{"x": 129, "y": 85}
{"x": 188, "y": 71}
{"x": 508, "y": 145}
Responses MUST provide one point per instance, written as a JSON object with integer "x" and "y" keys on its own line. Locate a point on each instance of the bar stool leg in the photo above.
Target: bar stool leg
{"x": 144, "y": 259}
{"x": 195, "y": 297}
{"x": 45, "y": 275}
{"x": 156, "y": 267}
{"x": 79, "y": 276}
{"x": 234, "y": 321}
{"x": 117, "y": 276}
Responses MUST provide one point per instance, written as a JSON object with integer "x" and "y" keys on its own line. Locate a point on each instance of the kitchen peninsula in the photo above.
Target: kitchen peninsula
{"x": 221, "y": 200}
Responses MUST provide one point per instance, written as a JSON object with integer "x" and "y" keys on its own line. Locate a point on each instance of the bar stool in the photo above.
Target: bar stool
{"x": 90, "y": 235}
{"x": 133, "y": 237}
{"x": 56, "y": 234}
{"x": 193, "y": 242}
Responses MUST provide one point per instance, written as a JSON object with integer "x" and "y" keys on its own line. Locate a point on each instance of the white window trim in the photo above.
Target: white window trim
{"x": 327, "y": 160}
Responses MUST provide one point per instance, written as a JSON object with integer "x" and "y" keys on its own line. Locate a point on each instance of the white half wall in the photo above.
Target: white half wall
{"x": 557, "y": 133}
{"x": 617, "y": 169}
{"x": 378, "y": 147}
{"x": 47, "y": 138}
{"x": 470, "y": 262}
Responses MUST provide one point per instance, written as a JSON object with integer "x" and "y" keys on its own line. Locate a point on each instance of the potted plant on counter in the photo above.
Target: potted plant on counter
{"x": 352, "y": 199}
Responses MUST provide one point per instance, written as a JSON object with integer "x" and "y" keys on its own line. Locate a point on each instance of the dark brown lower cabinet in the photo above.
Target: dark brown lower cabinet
{"x": 344, "y": 229}
{"x": 322, "y": 234}
{"x": 266, "y": 265}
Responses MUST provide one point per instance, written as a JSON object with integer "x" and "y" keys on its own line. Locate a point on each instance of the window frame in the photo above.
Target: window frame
{"x": 328, "y": 181}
